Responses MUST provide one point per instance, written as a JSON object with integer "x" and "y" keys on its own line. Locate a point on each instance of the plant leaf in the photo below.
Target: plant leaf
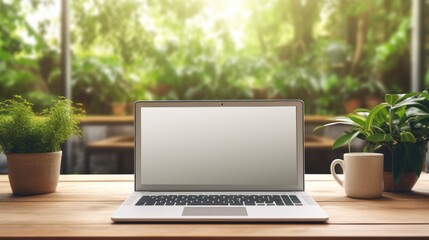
{"x": 406, "y": 96}
{"x": 342, "y": 119}
{"x": 391, "y": 98}
{"x": 343, "y": 140}
{"x": 332, "y": 124}
{"x": 380, "y": 117}
{"x": 407, "y": 137}
{"x": 361, "y": 110}
{"x": 401, "y": 111}
{"x": 351, "y": 139}
{"x": 413, "y": 111}
{"x": 425, "y": 94}
{"x": 411, "y": 103}
{"x": 357, "y": 119}
{"x": 380, "y": 138}
{"x": 373, "y": 113}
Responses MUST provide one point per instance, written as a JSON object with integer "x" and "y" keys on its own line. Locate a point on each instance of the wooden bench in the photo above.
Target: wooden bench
{"x": 315, "y": 147}
{"x": 121, "y": 146}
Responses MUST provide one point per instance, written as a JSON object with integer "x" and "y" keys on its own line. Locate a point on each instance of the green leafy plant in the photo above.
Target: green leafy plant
{"x": 398, "y": 127}
{"x": 24, "y": 131}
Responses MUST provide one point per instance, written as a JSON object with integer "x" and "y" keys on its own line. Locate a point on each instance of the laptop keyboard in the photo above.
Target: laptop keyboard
{"x": 219, "y": 200}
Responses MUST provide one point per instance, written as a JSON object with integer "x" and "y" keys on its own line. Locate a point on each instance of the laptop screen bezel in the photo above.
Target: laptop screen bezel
{"x": 298, "y": 104}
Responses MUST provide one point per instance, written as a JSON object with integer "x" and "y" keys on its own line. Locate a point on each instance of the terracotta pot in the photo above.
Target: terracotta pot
{"x": 260, "y": 93}
{"x": 372, "y": 101}
{"x": 160, "y": 89}
{"x": 33, "y": 173}
{"x": 351, "y": 104}
{"x": 405, "y": 184}
{"x": 118, "y": 109}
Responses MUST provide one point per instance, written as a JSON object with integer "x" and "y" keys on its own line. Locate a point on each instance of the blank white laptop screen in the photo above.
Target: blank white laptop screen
{"x": 219, "y": 146}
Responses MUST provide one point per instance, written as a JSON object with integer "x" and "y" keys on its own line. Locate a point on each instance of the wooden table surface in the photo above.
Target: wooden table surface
{"x": 83, "y": 204}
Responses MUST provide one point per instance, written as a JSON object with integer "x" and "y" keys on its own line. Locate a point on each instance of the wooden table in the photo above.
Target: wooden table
{"x": 83, "y": 204}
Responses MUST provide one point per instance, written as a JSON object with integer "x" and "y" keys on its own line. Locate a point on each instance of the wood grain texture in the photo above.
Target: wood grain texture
{"x": 377, "y": 212}
{"x": 83, "y": 204}
{"x": 314, "y": 141}
{"x": 112, "y": 143}
{"x": 106, "y": 120}
{"x": 316, "y": 231}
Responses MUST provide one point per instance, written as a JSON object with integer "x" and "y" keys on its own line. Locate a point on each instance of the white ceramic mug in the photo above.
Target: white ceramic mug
{"x": 363, "y": 174}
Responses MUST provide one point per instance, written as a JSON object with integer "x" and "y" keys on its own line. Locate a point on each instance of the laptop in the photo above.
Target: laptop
{"x": 219, "y": 161}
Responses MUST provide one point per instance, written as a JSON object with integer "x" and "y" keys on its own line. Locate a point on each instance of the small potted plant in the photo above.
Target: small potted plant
{"x": 31, "y": 142}
{"x": 119, "y": 95}
{"x": 399, "y": 128}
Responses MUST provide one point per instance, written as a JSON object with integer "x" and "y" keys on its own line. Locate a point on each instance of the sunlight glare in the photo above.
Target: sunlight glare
{"x": 232, "y": 12}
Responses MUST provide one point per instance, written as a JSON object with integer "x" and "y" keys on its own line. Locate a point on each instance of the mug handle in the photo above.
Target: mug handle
{"x": 333, "y": 173}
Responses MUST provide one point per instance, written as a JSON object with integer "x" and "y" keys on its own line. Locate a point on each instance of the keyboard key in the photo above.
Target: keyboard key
{"x": 287, "y": 200}
{"x": 198, "y": 204}
{"x": 220, "y": 204}
{"x": 294, "y": 199}
{"x": 236, "y": 204}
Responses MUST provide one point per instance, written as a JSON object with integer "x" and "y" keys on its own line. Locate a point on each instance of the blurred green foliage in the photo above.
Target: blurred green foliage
{"x": 25, "y": 66}
{"x": 323, "y": 52}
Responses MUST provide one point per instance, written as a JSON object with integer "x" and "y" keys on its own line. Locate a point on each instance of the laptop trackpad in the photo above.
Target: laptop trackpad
{"x": 214, "y": 211}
